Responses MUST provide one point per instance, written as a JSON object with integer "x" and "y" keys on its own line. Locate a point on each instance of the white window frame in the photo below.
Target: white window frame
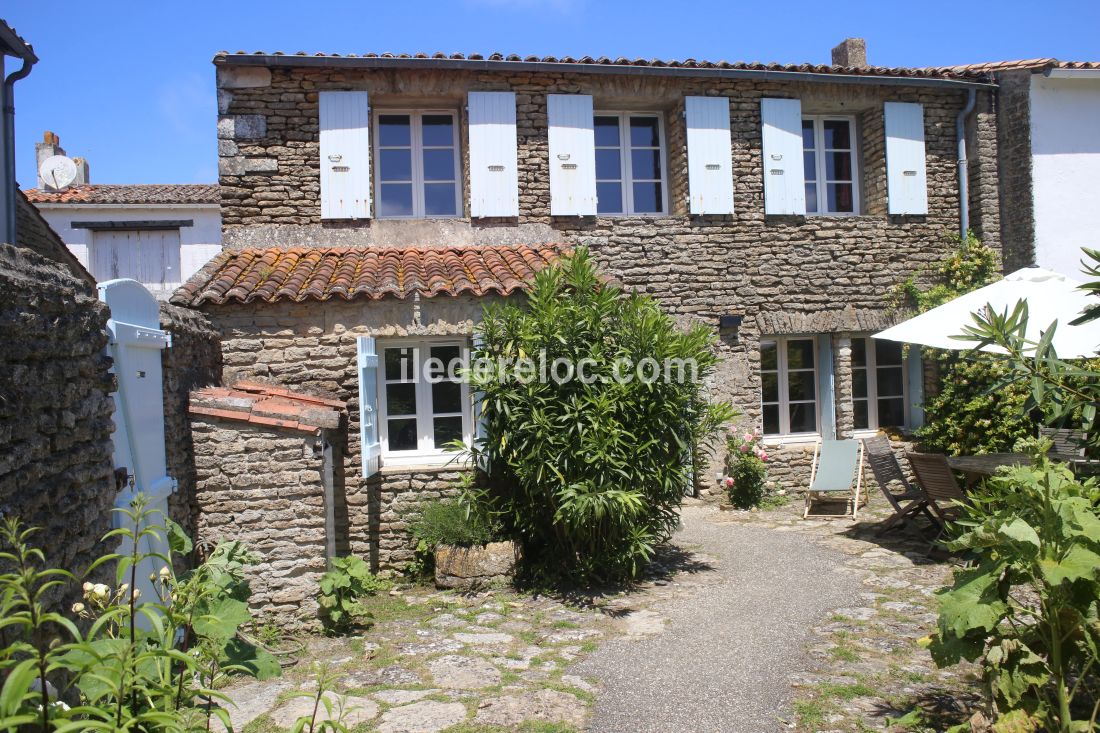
{"x": 784, "y": 402}
{"x": 416, "y": 141}
{"x": 819, "y": 164}
{"x": 625, "y": 164}
{"x": 423, "y": 454}
{"x": 872, "y": 397}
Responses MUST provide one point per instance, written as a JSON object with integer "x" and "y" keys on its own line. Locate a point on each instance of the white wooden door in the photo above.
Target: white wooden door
{"x": 150, "y": 256}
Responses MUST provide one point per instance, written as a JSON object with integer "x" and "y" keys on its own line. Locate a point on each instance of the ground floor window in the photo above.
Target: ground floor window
{"x": 878, "y": 383}
{"x": 423, "y": 402}
{"x": 788, "y": 385}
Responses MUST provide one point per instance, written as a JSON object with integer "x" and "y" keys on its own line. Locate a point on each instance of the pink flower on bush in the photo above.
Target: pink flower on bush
{"x": 763, "y": 456}
{"x": 748, "y": 437}
{"x": 729, "y": 481}
{"x": 745, "y": 447}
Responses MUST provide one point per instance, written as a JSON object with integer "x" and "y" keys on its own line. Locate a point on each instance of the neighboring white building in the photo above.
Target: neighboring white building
{"x": 157, "y": 234}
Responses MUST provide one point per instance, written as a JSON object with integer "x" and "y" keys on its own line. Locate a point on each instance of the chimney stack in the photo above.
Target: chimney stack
{"x": 51, "y": 145}
{"x": 850, "y": 52}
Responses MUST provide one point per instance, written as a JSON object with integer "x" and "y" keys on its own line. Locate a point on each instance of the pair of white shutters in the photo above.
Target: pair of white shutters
{"x": 344, "y": 120}
{"x": 784, "y": 172}
{"x": 573, "y": 155}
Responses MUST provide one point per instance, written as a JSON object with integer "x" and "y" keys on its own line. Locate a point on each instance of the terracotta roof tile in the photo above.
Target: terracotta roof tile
{"x": 145, "y": 193}
{"x": 263, "y": 404}
{"x": 992, "y": 67}
{"x": 324, "y": 273}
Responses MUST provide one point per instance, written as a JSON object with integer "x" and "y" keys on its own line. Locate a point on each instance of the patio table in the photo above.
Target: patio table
{"x": 985, "y": 465}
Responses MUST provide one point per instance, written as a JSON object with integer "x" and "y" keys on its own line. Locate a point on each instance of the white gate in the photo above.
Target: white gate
{"x": 135, "y": 344}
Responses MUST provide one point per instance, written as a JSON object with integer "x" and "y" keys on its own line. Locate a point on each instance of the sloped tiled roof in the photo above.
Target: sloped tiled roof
{"x": 141, "y": 193}
{"x": 992, "y": 67}
{"x": 268, "y": 405}
{"x": 483, "y": 61}
{"x": 348, "y": 273}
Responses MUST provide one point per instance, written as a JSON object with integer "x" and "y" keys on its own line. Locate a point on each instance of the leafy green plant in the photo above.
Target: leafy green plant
{"x": 453, "y": 522}
{"x": 149, "y": 664}
{"x": 586, "y": 473}
{"x": 334, "y": 706}
{"x": 968, "y": 414}
{"x": 342, "y": 589}
{"x": 1030, "y": 605}
{"x": 746, "y": 478}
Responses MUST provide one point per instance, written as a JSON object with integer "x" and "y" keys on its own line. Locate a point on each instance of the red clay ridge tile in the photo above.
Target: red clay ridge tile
{"x": 323, "y": 273}
{"x": 269, "y": 405}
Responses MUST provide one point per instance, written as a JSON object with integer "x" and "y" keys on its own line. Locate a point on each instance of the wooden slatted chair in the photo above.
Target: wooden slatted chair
{"x": 906, "y": 499}
{"x": 1069, "y": 448}
{"x": 939, "y": 484}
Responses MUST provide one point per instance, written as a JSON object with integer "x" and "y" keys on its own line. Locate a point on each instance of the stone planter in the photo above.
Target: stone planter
{"x": 475, "y": 567}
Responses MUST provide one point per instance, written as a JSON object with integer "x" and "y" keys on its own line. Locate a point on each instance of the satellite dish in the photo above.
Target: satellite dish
{"x": 57, "y": 171}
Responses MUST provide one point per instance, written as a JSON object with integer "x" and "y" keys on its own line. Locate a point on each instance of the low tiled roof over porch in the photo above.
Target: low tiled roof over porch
{"x": 326, "y": 273}
{"x": 268, "y": 405}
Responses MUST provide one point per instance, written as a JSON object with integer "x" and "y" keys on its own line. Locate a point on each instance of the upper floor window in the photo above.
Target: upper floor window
{"x": 788, "y": 385}
{"x": 630, "y": 170}
{"x": 829, "y": 155}
{"x": 417, "y": 173}
{"x": 878, "y": 383}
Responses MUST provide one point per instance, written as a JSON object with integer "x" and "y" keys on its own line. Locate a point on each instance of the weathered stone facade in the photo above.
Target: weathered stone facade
{"x": 55, "y": 404}
{"x": 1014, "y": 139}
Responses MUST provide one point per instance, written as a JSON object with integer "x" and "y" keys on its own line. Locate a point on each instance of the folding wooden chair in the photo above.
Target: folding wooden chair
{"x": 895, "y": 487}
{"x": 837, "y": 468}
{"x": 939, "y": 484}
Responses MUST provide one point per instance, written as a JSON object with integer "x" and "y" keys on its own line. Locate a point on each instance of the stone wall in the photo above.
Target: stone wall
{"x": 55, "y": 407}
{"x": 193, "y": 361}
{"x": 1014, "y": 140}
{"x": 35, "y": 234}
{"x": 262, "y": 486}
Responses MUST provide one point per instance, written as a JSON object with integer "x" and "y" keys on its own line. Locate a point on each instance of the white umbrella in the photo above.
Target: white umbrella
{"x": 1050, "y": 296}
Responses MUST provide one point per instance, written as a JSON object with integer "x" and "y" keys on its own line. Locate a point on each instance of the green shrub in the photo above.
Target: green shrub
{"x": 1028, "y": 606}
{"x": 452, "y": 522}
{"x": 132, "y": 663}
{"x": 587, "y": 474}
{"x": 347, "y": 581}
{"x": 746, "y": 470}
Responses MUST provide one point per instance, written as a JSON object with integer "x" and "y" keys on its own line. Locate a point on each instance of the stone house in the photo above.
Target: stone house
{"x": 372, "y": 204}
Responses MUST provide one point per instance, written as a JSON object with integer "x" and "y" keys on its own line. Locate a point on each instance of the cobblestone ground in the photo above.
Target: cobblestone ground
{"x": 869, "y": 672}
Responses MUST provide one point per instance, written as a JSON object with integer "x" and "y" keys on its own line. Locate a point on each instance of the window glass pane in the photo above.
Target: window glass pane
{"x": 859, "y": 415}
{"x": 838, "y": 166}
{"x": 859, "y": 352}
{"x": 767, "y": 355}
{"x": 800, "y": 354}
{"x": 644, "y": 132}
{"x": 769, "y": 387}
{"x": 891, "y": 412}
{"x": 607, "y": 131}
{"x": 446, "y": 354}
{"x": 400, "y": 363}
{"x": 446, "y": 397}
{"x": 447, "y": 429}
{"x": 887, "y": 353}
{"x": 609, "y": 198}
{"x": 401, "y": 398}
{"x": 859, "y": 382}
{"x": 808, "y": 134}
{"x": 837, "y": 134}
{"x": 800, "y": 385}
{"x": 840, "y": 197}
{"x": 647, "y": 198}
{"x": 889, "y": 381}
{"x": 439, "y": 165}
{"x": 438, "y": 130}
{"x": 402, "y": 434}
{"x": 608, "y": 164}
{"x": 803, "y": 418}
{"x": 809, "y": 163}
{"x": 395, "y": 164}
{"x": 394, "y": 130}
{"x": 771, "y": 419}
{"x": 395, "y": 199}
{"x": 645, "y": 164}
{"x": 811, "y": 198}
{"x": 439, "y": 199}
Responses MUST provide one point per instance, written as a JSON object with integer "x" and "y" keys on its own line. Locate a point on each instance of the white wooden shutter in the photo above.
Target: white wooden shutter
{"x": 710, "y": 178}
{"x": 572, "y": 155}
{"x": 826, "y": 385}
{"x": 906, "y": 177}
{"x": 784, "y": 174}
{"x": 494, "y": 180}
{"x": 370, "y": 448}
{"x": 345, "y": 155}
{"x": 480, "y": 423}
{"x": 914, "y": 372}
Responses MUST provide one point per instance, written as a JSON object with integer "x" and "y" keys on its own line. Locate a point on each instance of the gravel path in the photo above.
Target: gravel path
{"x": 729, "y": 647}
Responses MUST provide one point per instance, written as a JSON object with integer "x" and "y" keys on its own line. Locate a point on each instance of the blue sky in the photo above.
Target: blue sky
{"x": 130, "y": 86}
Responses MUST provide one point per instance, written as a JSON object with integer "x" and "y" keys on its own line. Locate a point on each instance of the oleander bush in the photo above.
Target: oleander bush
{"x": 586, "y": 474}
